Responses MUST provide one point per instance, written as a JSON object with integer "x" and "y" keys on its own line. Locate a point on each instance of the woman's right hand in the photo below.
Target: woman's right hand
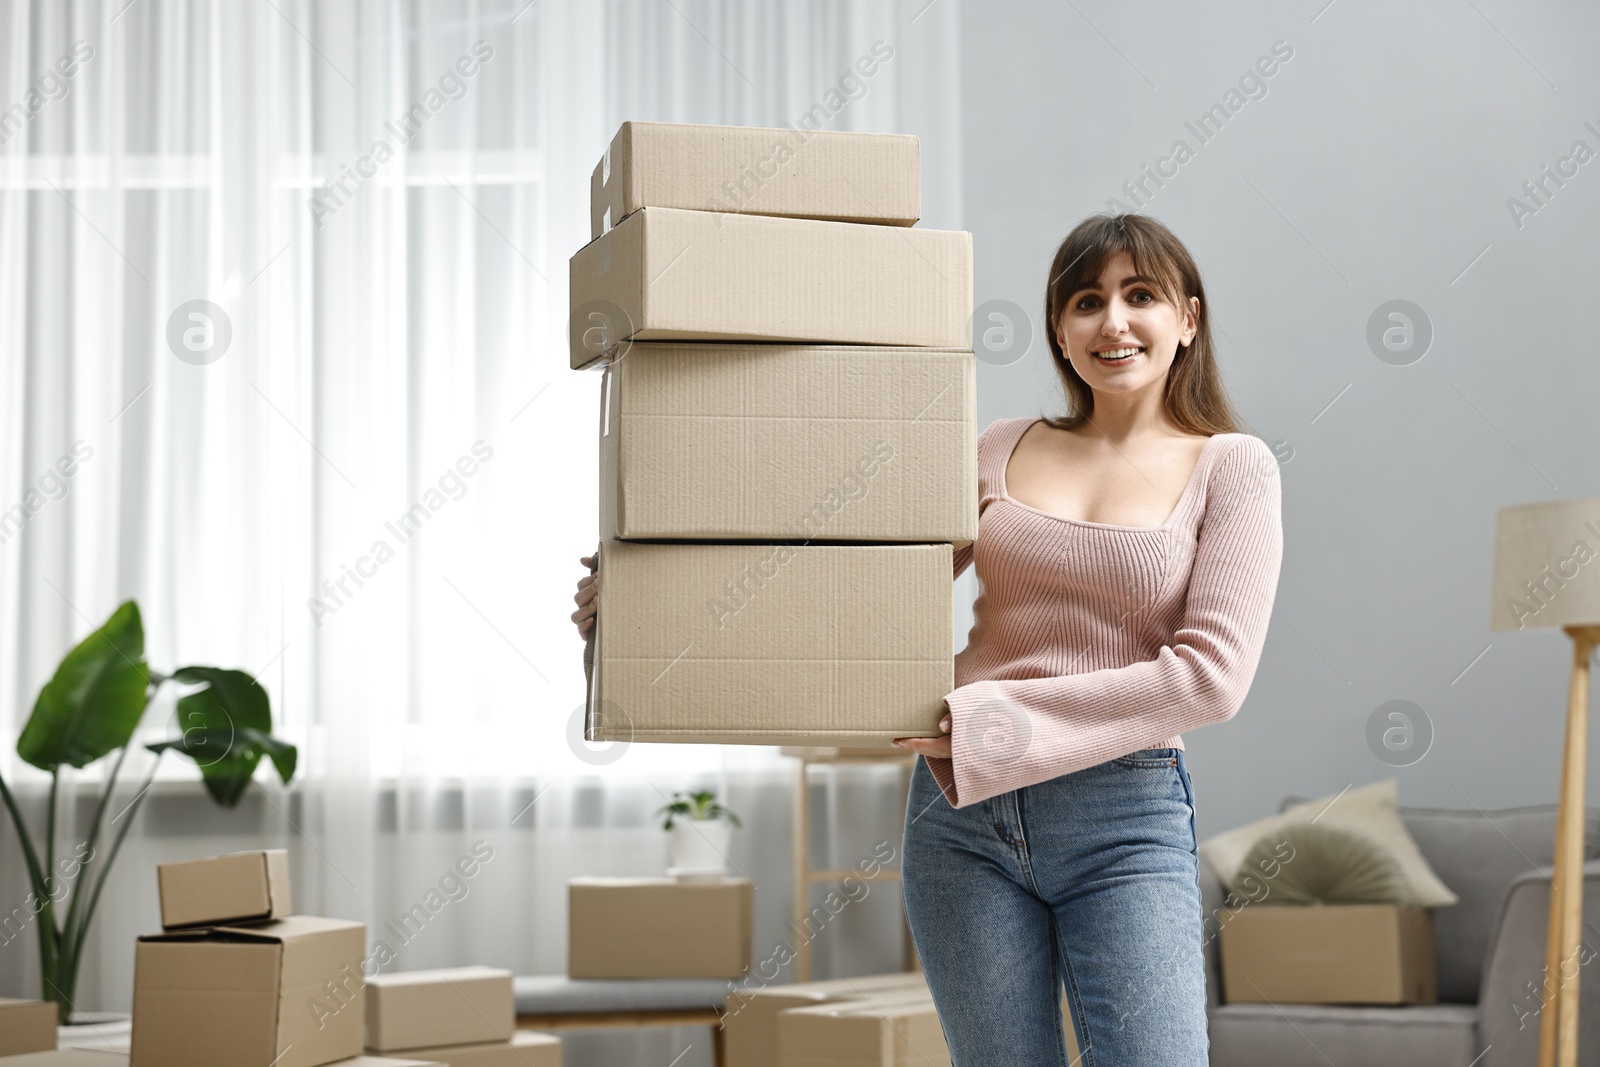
{"x": 588, "y": 603}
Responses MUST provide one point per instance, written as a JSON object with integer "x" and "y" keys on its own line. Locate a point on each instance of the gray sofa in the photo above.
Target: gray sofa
{"x": 1490, "y": 951}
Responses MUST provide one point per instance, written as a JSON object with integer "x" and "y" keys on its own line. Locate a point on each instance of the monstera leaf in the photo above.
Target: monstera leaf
{"x": 96, "y": 699}
{"x": 226, "y": 732}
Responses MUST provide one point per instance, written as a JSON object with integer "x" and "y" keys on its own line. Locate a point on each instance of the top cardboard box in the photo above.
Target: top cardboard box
{"x": 665, "y": 274}
{"x": 233, "y": 888}
{"x": 815, "y": 174}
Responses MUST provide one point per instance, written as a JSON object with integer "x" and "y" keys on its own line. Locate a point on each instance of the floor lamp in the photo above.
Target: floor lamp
{"x": 1547, "y": 573}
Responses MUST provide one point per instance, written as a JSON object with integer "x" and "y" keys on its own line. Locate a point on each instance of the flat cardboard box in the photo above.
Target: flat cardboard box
{"x": 802, "y": 173}
{"x": 527, "y": 1048}
{"x": 26, "y": 1026}
{"x": 659, "y": 928}
{"x": 67, "y": 1057}
{"x": 888, "y": 1028}
{"x": 1329, "y": 954}
{"x": 286, "y": 993}
{"x": 750, "y": 1022}
{"x": 767, "y": 442}
{"x": 234, "y": 888}
{"x": 666, "y": 274}
{"x": 452, "y": 1006}
{"x": 753, "y": 644}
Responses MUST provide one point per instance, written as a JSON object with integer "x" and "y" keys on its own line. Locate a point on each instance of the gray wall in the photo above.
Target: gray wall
{"x": 1377, "y": 166}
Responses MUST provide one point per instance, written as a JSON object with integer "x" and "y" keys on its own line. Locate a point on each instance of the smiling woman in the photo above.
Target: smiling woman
{"x": 1127, "y": 556}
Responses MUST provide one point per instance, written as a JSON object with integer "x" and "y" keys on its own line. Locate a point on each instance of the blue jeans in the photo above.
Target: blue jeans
{"x": 1090, "y": 879}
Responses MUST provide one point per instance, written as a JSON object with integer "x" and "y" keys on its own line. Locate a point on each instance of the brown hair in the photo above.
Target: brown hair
{"x": 1194, "y": 395}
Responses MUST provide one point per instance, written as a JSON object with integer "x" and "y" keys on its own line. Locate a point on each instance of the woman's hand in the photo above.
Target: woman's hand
{"x": 930, "y": 746}
{"x": 587, "y": 604}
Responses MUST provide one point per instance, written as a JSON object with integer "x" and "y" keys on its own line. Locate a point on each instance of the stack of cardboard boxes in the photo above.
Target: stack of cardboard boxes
{"x": 236, "y": 977}
{"x": 786, "y": 437}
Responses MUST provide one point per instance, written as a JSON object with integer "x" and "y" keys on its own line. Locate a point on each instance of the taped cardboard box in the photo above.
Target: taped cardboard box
{"x": 1329, "y": 954}
{"x": 286, "y": 993}
{"x": 770, "y": 644}
{"x": 450, "y": 1006}
{"x": 527, "y": 1048}
{"x": 666, "y": 274}
{"x": 884, "y": 1028}
{"x": 659, "y": 928}
{"x": 27, "y": 1026}
{"x": 234, "y": 888}
{"x": 750, "y": 1022}
{"x": 815, "y": 443}
{"x": 817, "y": 174}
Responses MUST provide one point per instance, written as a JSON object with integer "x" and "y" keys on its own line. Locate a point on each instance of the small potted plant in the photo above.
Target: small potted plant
{"x": 700, "y": 829}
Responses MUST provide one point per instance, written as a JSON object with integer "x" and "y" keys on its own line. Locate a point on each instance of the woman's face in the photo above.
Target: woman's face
{"x": 1123, "y": 311}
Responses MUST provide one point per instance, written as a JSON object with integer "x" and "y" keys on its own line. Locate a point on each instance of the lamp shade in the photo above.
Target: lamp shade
{"x": 1547, "y": 565}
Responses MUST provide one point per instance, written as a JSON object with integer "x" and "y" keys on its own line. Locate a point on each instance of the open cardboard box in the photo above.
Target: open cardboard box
{"x": 286, "y": 993}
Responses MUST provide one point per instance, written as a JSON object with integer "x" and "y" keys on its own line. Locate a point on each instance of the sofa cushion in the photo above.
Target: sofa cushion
{"x": 1372, "y": 810}
{"x": 1477, "y": 852}
{"x": 1315, "y": 1035}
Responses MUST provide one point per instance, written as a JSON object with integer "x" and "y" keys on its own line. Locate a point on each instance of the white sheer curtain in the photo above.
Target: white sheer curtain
{"x": 374, "y": 498}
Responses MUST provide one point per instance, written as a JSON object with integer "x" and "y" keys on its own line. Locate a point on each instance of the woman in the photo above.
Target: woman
{"x": 1128, "y": 558}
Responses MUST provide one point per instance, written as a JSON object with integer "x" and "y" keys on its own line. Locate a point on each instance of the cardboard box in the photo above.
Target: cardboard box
{"x": 659, "y": 928}
{"x": 26, "y": 1026}
{"x": 813, "y": 443}
{"x": 454, "y": 1006}
{"x": 817, "y": 174}
{"x": 1329, "y": 954}
{"x": 770, "y": 644}
{"x": 886, "y": 1028}
{"x": 750, "y": 1024}
{"x": 527, "y": 1048}
{"x": 384, "y": 1061}
{"x": 67, "y": 1057}
{"x": 286, "y": 993}
{"x": 666, "y": 274}
{"x": 235, "y": 888}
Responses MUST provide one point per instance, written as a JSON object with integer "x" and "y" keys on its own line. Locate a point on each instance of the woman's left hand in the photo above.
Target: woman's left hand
{"x": 930, "y": 746}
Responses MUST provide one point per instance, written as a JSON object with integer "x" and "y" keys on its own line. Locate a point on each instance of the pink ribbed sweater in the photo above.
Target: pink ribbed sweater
{"x": 1091, "y": 640}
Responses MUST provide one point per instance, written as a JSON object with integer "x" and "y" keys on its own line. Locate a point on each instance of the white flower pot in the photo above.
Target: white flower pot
{"x": 700, "y": 846}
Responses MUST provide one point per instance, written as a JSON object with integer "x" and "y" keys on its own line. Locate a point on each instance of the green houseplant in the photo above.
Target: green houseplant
{"x": 90, "y": 709}
{"x": 699, "y": 843}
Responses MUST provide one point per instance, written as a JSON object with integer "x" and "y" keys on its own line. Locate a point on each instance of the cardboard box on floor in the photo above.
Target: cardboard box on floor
{"x": 452, "y": 1006}
{"x": 527, "y": 1048}
{"x": 817, "y": 174}
{"x": 659, "y": 928}
{"x": 285, "y": 993}
{"x": 237, "y": 887}
{"x": 1329, "y": 954}
{"x": 745, "y": 644}
{"x": 666, "y": 274}
{"x": 883, "y": 1028}
{"x": 26, "y": 1026}
{"x": 768, "y": 442}
{"x": 67, "y": 1057}
{"x": 750, "y": 1024}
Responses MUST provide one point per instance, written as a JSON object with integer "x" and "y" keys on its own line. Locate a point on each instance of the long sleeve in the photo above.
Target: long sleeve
{"x": 1006, "y": 734}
